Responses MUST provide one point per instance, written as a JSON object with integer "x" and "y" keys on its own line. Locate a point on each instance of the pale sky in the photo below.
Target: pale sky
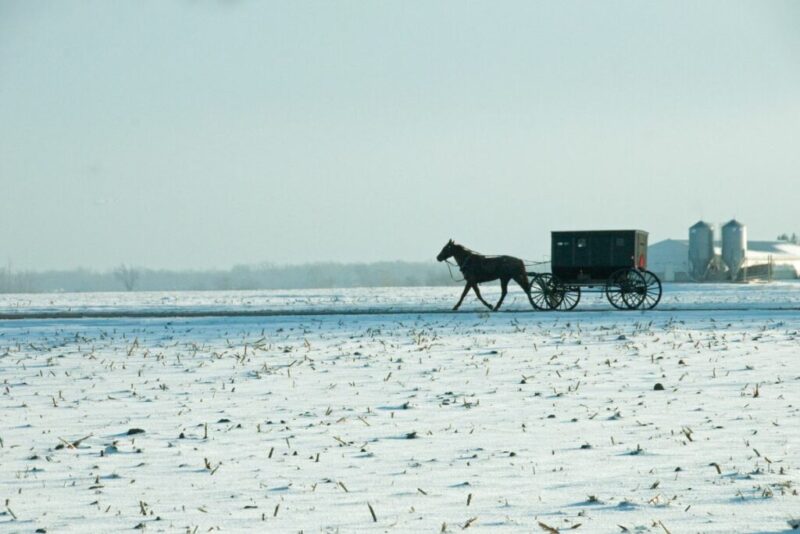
{"x": 200, "y": 134}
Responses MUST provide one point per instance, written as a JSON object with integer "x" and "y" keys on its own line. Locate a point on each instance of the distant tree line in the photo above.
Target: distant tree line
{"x": 265, "y": 276}
{"x": 788, "y": 238}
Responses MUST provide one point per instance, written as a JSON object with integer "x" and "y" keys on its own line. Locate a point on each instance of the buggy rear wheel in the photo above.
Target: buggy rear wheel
{"x": 625, "y": 289}
{"x": 543, "y": 294}
{"x": 652, "y": 290}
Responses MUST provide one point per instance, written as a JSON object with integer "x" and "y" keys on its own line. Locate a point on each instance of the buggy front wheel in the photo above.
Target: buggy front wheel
{"x": 568, "y": 297}
{"x": 543, "y": 294}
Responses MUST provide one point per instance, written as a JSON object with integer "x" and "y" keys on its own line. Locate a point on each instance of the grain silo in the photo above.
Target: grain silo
{"x": 734, "y": 246}
{"x": 701, "y": 249}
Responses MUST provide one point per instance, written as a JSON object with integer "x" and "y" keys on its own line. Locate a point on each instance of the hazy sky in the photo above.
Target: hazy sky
{"x": 196, "y": 134}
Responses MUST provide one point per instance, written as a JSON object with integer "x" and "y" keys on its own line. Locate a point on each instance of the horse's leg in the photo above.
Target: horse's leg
{"x": 463, "y": 294}
{"x": 503, "y": 291}
{"x": 478, "y": 293}
{"x": 525, "y": 284}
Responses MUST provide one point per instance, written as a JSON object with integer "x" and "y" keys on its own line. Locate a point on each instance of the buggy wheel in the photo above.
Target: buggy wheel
{"x": 625, "y": 289}
{"x": 569, "y": 296}
{"x": 543, "y": 294}
{"x": 652, "y": 290}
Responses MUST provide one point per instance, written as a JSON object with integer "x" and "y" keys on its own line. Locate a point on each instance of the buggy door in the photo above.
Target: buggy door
{"x": 623, "y": 250}
{"x": 582, "y": 251}
{"x": 602, "y": 255}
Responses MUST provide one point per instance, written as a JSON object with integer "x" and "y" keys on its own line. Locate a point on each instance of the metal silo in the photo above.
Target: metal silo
{"x": 734, "y": 246}
{"x": 701, "y": 248}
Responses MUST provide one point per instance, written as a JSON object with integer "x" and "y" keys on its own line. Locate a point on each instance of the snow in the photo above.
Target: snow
{"x": 498, "y": 422}
{"x": 376, "y": 300}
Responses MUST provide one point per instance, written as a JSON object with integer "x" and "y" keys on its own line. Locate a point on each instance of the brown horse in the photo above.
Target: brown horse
{"x": 478, "y": 268}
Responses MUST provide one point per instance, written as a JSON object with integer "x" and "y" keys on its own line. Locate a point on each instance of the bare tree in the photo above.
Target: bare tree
{"x": 127, "y": 275}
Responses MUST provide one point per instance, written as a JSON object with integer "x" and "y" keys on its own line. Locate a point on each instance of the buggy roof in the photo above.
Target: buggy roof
{"x": 595, "y": 231}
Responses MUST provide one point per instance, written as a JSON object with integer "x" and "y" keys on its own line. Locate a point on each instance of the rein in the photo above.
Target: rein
{"x": 447, "y": 261}
{"x": 529, "y": 263}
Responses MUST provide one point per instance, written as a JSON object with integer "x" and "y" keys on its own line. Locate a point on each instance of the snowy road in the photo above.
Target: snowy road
{"x": 677, "y": 297}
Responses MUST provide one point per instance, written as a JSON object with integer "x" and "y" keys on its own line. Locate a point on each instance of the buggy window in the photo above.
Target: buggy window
{"x": 620, "y": 241}
{"x": 562, "y": 243}
{"x": 581, "y": 242}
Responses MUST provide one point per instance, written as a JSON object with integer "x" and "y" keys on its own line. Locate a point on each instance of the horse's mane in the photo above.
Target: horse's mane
{"x": 467, "y": 250}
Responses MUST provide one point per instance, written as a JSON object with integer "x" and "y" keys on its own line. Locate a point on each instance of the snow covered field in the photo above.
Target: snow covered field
{"x": 410, "y": 422}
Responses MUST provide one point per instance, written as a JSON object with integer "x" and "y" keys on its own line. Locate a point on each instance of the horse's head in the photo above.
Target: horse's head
{"x": 447, "y": 251}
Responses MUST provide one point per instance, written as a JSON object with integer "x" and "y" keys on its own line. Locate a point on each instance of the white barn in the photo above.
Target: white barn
{"x": 669, "y": 259}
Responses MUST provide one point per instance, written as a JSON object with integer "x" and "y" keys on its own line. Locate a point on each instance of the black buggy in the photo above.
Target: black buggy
{"x": 613, "y": 262}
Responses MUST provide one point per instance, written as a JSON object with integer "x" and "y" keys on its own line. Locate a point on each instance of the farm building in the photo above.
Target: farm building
{"x": 777, "y": 260}
{"x": 669, "y": 259}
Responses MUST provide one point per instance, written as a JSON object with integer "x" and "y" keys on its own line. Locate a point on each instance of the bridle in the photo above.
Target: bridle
{"x": 469, "y": 255}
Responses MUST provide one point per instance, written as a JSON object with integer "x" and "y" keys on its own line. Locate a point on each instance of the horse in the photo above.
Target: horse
{"x": 478, "y": 268}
